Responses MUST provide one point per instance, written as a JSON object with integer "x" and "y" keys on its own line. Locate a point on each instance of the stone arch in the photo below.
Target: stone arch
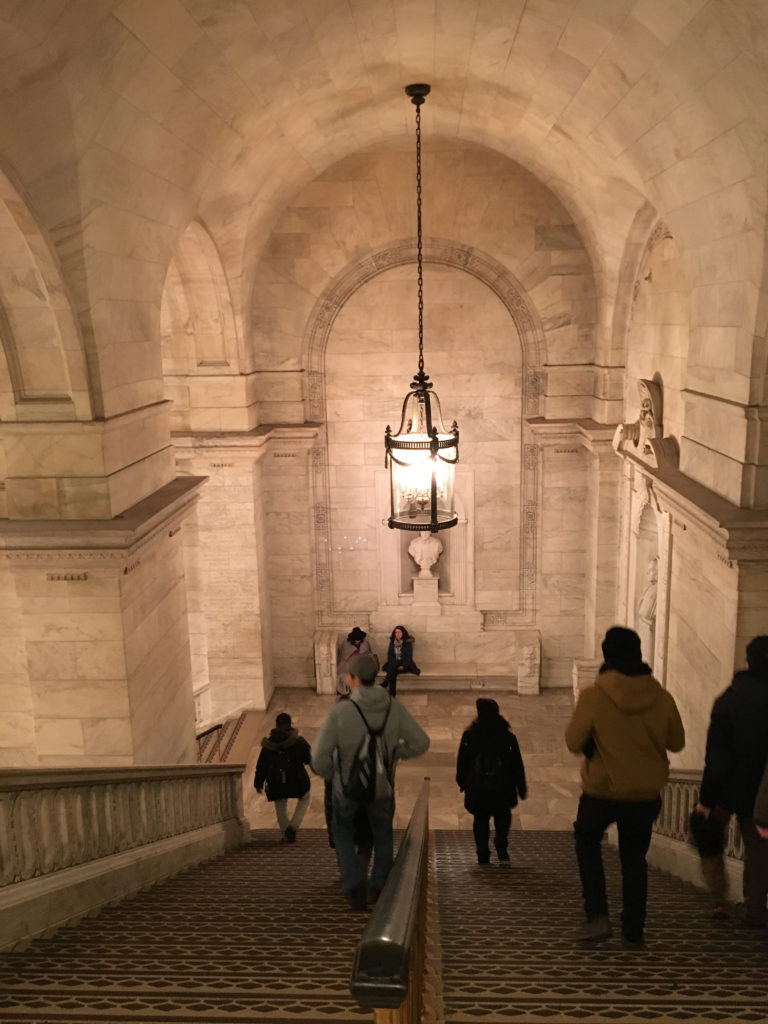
{"x": 436, "y": 250}
{"x": 634, "y": 249}
{"x": 197, "y": 323}
{"x": 525, "y": 320}
{"x": 42, "y": 371}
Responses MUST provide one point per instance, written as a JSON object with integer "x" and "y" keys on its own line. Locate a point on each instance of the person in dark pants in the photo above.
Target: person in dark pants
{"x": 490, "y": 772}
{"x": 737, "y": 749}
{"x": 623, "y": 726}
{"x": 281, "y": 770}
{"x": 336, "y": 756}
{"x": 399, "y": 658}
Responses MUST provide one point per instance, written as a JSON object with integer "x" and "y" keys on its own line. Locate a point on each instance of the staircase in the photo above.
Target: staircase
{"x": 509, "y": 951}
{"x": 262, "y": 935}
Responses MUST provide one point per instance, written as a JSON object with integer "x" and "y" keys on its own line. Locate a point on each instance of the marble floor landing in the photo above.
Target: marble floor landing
{"x": 537, "y": 721}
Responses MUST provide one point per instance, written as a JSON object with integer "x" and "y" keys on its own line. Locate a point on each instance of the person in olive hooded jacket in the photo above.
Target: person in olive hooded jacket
{"x": 623, "y": 726}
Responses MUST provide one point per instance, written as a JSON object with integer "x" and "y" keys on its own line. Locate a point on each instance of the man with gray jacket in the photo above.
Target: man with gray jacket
{"x": 333, "y": 757}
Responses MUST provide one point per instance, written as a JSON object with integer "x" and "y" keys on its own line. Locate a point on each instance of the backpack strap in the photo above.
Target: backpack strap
{"x": 376, "y": 732}
{"x": 373, "y": 732}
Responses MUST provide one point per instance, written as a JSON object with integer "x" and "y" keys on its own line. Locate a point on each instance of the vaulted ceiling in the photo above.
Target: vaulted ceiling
{"x": 123, "y": 120}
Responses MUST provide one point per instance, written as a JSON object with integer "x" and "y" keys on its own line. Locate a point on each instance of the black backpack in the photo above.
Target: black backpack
{"x": 284, "y": 774}
{"x": 488, "y": 775}
{"x": 370, "y": 777}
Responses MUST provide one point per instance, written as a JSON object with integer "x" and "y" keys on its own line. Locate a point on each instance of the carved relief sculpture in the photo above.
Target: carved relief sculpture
{"x": 646, "y": 611}
{"x": 645, "y": 437}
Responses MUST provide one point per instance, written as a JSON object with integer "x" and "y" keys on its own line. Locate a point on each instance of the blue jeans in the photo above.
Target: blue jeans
{"x": 380, "y": 815}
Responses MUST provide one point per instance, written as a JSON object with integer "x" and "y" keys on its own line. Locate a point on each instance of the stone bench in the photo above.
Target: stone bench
{"x": 521, "y": 676}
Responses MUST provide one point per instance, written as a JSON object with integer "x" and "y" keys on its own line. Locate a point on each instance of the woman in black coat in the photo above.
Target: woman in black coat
{"x": 489, "y": 770}
{"x": 399, "y": 658}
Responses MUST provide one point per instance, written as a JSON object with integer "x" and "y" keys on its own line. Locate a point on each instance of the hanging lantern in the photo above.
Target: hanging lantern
{"x": 422, "y": 454}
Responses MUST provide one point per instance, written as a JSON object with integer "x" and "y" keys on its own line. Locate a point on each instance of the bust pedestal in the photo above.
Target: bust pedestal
{"x": 425, "y": 593}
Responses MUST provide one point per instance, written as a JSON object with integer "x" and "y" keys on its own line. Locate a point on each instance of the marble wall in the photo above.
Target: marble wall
{"x": 98, "y": 670}
{"x": 289, "y": 581}
{"x": 371, "y": 357}
{"x": 17, "y": 721}
{"x": 224, "y": 550}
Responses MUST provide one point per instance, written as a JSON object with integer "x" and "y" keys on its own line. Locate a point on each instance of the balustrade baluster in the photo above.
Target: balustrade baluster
{"x": 9, "y": 860}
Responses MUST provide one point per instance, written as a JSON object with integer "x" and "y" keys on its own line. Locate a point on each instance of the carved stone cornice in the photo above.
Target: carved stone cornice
{"x": 248, "y": 443}
{"x": 110, "y": 541}
{"x": 587, "y": 434}
{"x": 741, "y": 534}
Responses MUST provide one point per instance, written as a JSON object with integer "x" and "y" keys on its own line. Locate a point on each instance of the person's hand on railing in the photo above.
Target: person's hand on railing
{"x": 762, "y": 831}
{"x": 702, "y": 810}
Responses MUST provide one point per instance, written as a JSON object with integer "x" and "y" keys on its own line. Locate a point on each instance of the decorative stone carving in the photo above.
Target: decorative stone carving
{"x": 646, "y": 611}
{"x": 425, "y": 549}
{"x": 644, "y": 439}
{"x": 583, "y": 674}
{"x": 326, "y": 655}
{"x": 528, "y": 661}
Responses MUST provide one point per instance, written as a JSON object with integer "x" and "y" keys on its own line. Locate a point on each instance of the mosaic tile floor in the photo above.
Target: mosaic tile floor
{"x": 261, "y": 935}
{"x": 509, "y": 953}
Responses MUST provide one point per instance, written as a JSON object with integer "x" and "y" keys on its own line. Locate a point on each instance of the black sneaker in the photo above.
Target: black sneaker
{"x": 289, "y": 836}
{"x": 504, "y": 859}
{"x": 596, "y": 930}
{"x": 356, "y": 898}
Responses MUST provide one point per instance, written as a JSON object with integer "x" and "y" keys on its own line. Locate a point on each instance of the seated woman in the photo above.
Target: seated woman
{"x": 399, "y": 658}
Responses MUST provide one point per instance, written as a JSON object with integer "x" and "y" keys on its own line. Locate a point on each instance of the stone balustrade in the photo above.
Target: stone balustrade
{"x": 670, "y": 849}
{"x": 74, "y": 840}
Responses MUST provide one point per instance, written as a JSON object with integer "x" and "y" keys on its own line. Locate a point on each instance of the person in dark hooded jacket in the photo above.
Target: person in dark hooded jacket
{"x": 735, "y": 759}
{"x": 280, "y": 770}
{"x": 623, "y": 726}
{"x": 489, "y": 770}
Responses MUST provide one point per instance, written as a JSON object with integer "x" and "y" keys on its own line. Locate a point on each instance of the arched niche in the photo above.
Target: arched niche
{"x": 522, "y": 329}
{"x": 440, "y": 251}
{"x": 42, "y": 370}
{"x": 197, "y": 324}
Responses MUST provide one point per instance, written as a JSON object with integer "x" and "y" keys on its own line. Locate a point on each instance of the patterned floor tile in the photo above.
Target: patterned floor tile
{"x": 260, "y": 935}
{"x": 509, "y": 950}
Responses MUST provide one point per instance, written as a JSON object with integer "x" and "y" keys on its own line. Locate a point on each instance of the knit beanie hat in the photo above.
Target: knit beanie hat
{"x": 283, "y": 720}
{"x": 621, "y": 646}
{"x": 363, "y": 667}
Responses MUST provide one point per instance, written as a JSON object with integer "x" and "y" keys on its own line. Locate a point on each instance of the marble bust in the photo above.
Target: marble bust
{"x": 425, "y": 549}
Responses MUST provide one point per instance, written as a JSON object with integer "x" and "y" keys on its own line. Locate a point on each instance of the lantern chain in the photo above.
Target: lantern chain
{"x": 419, "y": 252}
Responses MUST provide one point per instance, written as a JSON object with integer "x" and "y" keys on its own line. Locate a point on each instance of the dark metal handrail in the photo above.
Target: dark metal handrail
{"x": 389, "y": 960}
